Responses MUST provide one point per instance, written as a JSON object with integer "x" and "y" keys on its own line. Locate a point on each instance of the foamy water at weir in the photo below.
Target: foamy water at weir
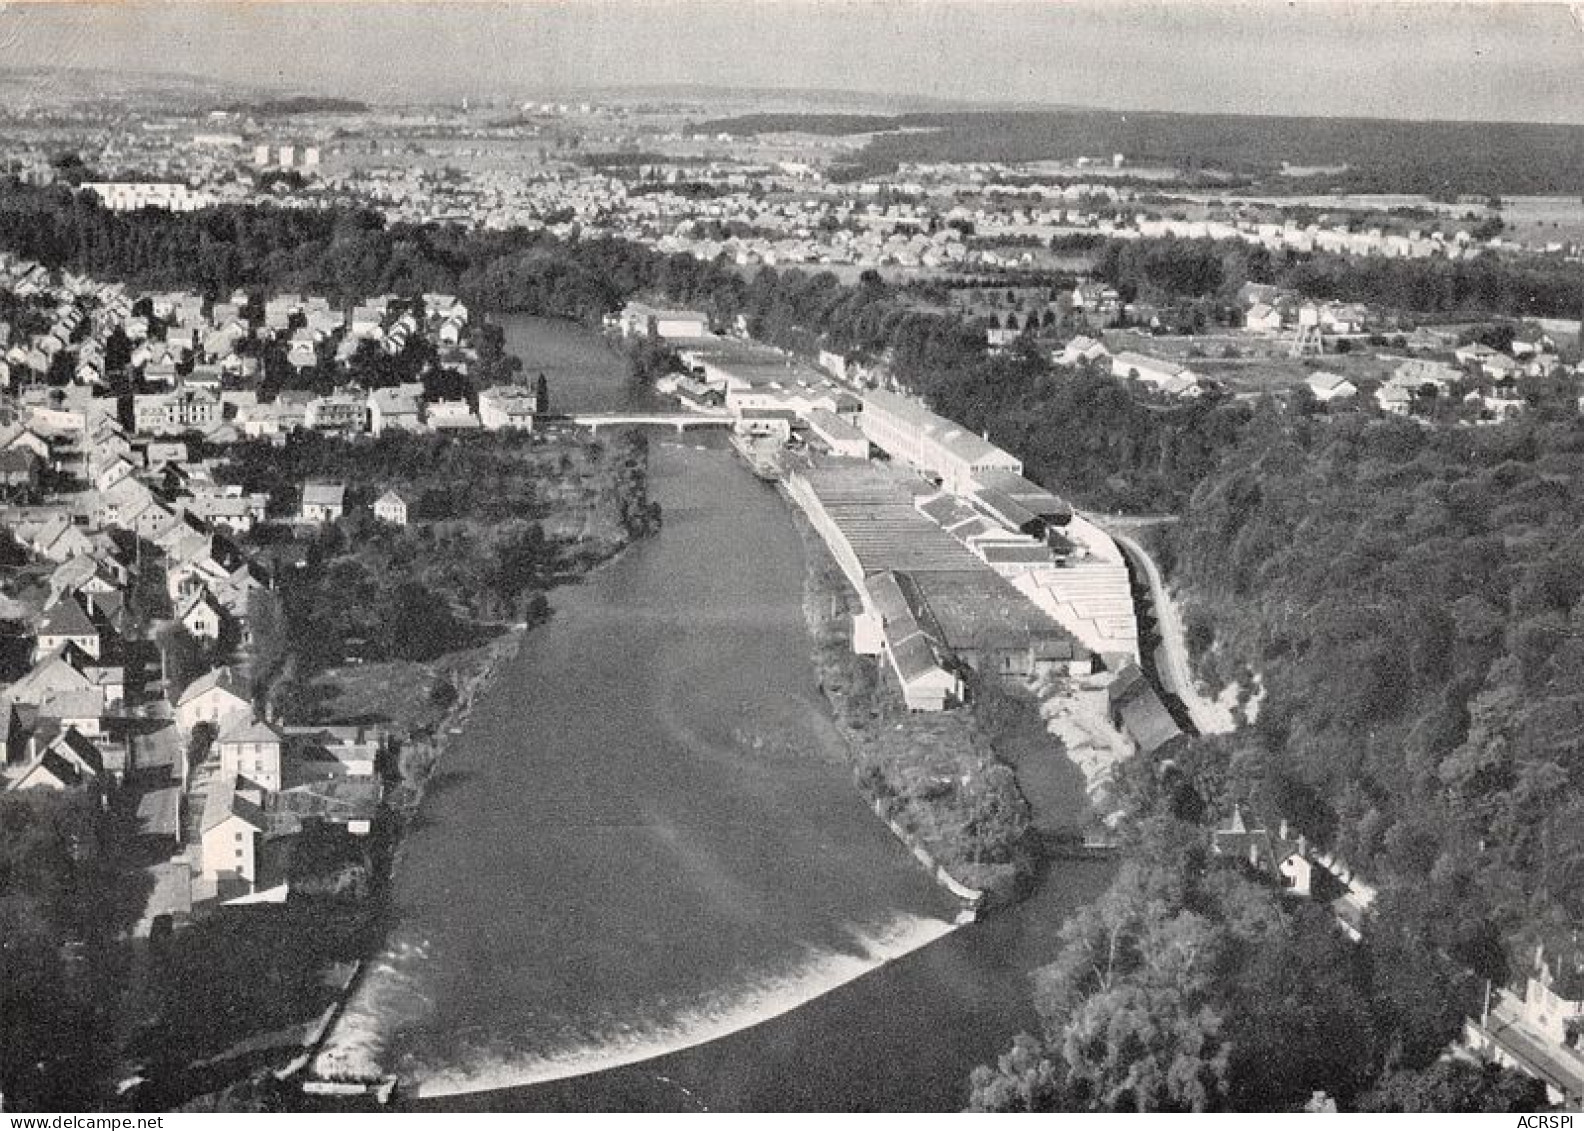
{"x": 387, "y": 997}
{"x": 499, "y": 1065}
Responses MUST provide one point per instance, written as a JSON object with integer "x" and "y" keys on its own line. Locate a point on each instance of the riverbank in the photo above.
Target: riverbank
{"x": 421, "y": 705}
{"x": 936, "y": 778}
{"x": 420, "y": 753}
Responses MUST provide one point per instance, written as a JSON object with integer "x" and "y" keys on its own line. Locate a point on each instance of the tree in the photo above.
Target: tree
{"x": 182, "y": 657}
{"x": 1130, "y": 1007}
{"x": 57, "y": 897}
{"x": 117, "y": 351}
{"x": 1023, "y": 1079}
{"x": 1302, "y": 992}
{"x": 1457, "y": 1086}
{"x": 1150, "y": 1038}
{"x": 418, "y": 626}
{"x": 541, "y": 394}
{"x": 71, "y": 168}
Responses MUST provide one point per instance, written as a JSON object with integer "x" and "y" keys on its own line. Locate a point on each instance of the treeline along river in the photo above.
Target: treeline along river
{"x": 643, "y": 878}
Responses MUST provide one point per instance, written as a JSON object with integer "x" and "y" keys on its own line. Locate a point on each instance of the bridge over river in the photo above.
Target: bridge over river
{"x": 681, "y": 421}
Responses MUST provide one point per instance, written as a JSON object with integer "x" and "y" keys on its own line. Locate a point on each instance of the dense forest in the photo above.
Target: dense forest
{"x": 1402, "y": 609}
{"x": 1410, "y": 601}
{"x": 1162, "y": 270}
{"x": 1433, "y": 158}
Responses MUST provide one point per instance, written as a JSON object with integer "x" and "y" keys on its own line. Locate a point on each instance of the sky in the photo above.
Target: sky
{"x": 1472, "y": 61}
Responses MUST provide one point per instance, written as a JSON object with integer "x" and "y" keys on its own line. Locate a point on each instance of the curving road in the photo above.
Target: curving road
{"x": 1176, "y": 673}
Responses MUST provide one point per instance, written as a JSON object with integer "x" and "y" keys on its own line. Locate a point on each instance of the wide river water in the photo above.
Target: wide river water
{"x": 643, "y": 878}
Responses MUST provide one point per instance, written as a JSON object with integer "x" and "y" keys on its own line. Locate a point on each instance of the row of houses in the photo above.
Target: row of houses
{"x": 155, "y": 541}
{"x": 182, "y": 342}
{"x": 226, "y": 415}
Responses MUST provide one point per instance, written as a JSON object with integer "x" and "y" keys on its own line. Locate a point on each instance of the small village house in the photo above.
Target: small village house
{"x": 323, "y": 502}
{"x": 391, "y": 508}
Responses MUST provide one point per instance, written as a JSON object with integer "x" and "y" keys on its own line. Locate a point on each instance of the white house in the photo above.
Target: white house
{"x": 200, "y": 615}
{"x": 72, "y": 761}
{"x": 507, "y": 406}
{"x": 215, "y": 698}
{"x": 1330, "y": 386}
{"x": 392, "y": 508}
{"x": 889, "y": 626}
{"x": 1262, "y": 318}
{"x": 233, "y": 821}
{"x": 252, "y": 748}
{"x": 1080, "y": 349}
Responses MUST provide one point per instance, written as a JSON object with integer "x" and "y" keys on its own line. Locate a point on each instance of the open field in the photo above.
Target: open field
{"x": 1544, "y": 219}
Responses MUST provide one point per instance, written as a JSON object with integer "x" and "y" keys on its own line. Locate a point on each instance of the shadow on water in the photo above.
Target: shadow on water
{"x": 442, "y": 781}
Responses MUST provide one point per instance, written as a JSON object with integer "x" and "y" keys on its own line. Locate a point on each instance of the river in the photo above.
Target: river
{"x": 643, "y": 878}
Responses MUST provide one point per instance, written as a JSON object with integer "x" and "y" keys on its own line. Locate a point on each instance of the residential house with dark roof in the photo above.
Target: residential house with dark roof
{"x": 66, "y": 622}
{"x": 1138, "y": 712}
{"x": 201, "y": 615}
{"x": 506, "y": 407}
{"x": 14, "y": 733}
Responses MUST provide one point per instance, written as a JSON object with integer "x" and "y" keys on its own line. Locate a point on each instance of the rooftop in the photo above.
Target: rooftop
{"x": 323, "y": 494}
{"x": 873, "y": 507}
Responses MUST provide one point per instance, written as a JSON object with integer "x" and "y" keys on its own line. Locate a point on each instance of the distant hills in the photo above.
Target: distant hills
{"x": 41, "y": 87}
{"x": 1380, "y": 155}
{"x": 1234, "y": 151}
{"x": 775, "y": 99}
{"x": 299, "y": 104}
{"x": 44, "y": 88}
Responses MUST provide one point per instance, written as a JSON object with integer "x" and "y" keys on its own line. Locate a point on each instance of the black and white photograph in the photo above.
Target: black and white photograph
{"x": 786, "y": 556}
